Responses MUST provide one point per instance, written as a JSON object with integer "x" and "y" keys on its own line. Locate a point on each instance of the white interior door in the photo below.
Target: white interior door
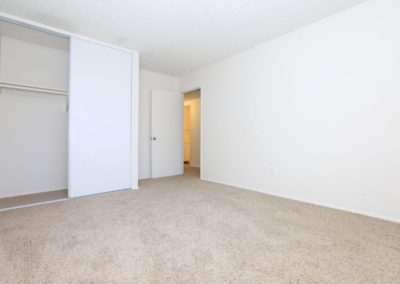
{"x": 166, "y": 133}
{"x": 99, "y": 119}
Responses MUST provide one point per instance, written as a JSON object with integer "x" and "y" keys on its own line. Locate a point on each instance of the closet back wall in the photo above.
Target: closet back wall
{"x": 33, "y": 126}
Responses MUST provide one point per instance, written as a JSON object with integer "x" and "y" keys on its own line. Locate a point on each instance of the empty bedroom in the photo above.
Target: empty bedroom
{"x": 230, "y": 141}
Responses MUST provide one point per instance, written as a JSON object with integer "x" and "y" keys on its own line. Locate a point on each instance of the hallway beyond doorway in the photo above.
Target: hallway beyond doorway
{"x": 193, "y": 172}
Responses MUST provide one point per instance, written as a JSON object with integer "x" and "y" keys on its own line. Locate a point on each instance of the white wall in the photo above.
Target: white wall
{"x": 33, "y": 127}
{"x": 28, "y": 63}
{"x": 149, "y": 80}
{"x": 195, "y": 111}
{"x": 312, "y": 115}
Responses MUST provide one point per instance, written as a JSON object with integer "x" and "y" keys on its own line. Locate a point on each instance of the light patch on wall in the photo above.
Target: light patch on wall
{"x": 192, "y": 99}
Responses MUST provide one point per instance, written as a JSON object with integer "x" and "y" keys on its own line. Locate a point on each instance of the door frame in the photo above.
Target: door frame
{"x": 201, "y": 124}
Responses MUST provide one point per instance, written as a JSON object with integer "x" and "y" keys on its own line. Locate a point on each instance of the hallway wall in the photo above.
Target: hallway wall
{"x": 193, "y": 99}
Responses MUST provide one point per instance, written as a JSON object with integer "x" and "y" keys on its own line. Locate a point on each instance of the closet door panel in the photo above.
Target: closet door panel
{"x": 99, "y": 119}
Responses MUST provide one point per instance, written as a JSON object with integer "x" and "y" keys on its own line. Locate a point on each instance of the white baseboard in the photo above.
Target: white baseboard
{"x": 355, "y": 211}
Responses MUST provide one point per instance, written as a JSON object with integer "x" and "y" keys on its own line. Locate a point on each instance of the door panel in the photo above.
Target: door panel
{"x": 99, "y": 119}
{"x": 167, "y": 133}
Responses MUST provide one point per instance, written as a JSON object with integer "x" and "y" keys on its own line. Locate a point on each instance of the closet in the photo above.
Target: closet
{"x": 68, "y": 120}
{"x": 34, "y": 82}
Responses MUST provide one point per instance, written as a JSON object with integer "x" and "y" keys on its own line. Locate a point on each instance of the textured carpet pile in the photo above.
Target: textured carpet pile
{"x": 183, "y": 230}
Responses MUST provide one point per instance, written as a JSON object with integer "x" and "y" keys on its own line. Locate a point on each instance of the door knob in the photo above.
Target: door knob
{"x": 154, "y": 138}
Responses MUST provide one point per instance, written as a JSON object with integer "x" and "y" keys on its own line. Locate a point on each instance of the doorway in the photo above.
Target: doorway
{"x": 175, "y": 133}
{"x": 192, "y": 132}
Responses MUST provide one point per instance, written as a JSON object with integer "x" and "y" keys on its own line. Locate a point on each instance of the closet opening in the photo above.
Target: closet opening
{"x": 34, "y": 86}
{"x": 192, "y": 133}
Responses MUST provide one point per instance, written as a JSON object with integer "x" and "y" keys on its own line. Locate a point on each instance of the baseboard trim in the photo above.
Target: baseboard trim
{"x": 354, "y": 211}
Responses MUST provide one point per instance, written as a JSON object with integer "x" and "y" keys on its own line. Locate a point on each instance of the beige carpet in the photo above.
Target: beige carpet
{"x": 183, "y": 230}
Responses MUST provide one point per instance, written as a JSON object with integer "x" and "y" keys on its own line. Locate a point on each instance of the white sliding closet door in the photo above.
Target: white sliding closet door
{"x": 100, "y": 119}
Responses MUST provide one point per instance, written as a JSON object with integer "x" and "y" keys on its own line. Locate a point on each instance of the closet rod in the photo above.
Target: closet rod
{"x": 32, "y": 89}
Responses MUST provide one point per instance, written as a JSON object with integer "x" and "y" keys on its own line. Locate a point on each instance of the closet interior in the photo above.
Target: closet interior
{"x": 34, "y": 86}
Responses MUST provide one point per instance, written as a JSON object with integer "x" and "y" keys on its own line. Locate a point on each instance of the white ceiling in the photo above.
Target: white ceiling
{"x": 178, "y": 36}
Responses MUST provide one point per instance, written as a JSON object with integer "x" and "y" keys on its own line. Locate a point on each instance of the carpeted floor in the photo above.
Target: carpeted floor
{"x": 183, "y": 230}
